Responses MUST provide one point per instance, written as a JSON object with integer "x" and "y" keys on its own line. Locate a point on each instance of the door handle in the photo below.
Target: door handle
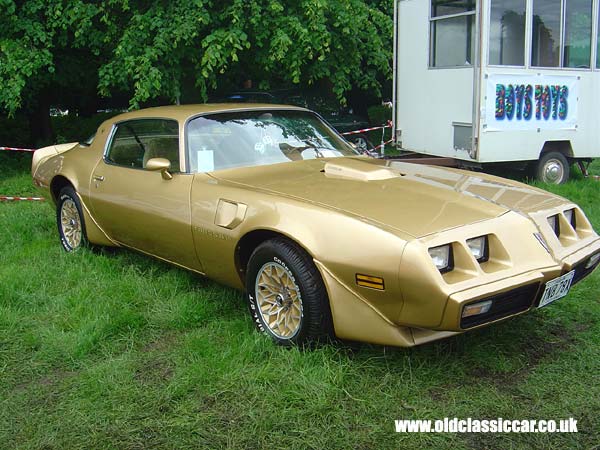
{"x": 98, "y": 178}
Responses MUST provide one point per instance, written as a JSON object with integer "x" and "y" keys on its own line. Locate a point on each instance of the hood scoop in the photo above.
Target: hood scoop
{"x": 359, "y": 170}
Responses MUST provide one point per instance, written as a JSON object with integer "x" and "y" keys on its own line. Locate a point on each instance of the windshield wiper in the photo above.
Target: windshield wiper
{"x": 288, "y": 150}
{"x": 318, "y": 153}
{"x": 314, "y": 147}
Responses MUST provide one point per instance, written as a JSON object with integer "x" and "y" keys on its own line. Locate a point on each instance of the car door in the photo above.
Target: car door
{"x": 141, "y": 208}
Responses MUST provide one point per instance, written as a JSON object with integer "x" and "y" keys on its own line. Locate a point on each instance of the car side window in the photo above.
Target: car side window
{"x": 135, "y": 142}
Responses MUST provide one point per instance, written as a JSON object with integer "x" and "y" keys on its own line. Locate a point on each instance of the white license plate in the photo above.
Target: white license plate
{"x": 557, "y": 288}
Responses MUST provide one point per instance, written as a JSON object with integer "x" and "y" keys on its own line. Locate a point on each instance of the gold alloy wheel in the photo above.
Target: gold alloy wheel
{"x": 71, "y": 223}
{"x": 278, "y": 300}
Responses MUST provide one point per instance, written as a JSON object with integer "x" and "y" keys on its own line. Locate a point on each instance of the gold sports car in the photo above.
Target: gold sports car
{"x": 325, "y": 242}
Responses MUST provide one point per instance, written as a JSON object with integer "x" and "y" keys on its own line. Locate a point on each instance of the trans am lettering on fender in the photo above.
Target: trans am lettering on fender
{"x": 324, "y": 241}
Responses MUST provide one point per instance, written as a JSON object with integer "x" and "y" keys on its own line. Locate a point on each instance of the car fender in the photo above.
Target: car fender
{"x": 342, "y": 244}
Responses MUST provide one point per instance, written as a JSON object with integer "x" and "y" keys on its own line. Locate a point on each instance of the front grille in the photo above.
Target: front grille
{"x": 504, "y": 304}
{"x": 581, "y": 272}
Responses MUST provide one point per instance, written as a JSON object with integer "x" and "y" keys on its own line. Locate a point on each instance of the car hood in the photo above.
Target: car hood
{"x": 416, "y": 199}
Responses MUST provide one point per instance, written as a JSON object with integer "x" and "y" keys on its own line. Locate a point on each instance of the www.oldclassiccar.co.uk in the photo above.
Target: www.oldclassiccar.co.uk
{"x": 499, "y": 425}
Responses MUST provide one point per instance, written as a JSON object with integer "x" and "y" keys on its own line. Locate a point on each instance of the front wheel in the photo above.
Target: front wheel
{"x": 286, "y": 295}
{"x": 69, "y": 219}
{"x": 552, "y": 168}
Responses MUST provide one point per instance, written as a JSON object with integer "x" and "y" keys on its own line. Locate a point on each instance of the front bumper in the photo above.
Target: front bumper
{"x": 515, "y": 295}
{"x": 355, "y": 318}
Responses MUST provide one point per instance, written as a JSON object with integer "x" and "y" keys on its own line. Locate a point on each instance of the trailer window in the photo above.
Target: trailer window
{"x": 452, "y": 33}
{"x": 598, "y": 46}
{"x": 578, "y": 33}
{"x": 546, "y": 33}
{"x": 450, "y": 7}
{"x": 507, "y": 33}
{"x": 549, "y": 36}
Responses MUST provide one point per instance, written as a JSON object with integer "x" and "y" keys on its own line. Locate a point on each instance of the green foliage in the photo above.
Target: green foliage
{"x": 150, "y": 49}
{"x": 38, "y": 38}
{"x": 14, "y": 131}
{"x": 379, "y": 114}
{"x": 76, "y": 129}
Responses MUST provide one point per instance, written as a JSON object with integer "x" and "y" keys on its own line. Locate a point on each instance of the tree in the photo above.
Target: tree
{"x": 64, "y": 51}
{"x": 300, "y": 42}
{"x": 50, "y": 54}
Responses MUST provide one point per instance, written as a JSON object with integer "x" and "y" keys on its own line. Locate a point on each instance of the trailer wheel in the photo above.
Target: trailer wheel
{"x": 552, "y": 168}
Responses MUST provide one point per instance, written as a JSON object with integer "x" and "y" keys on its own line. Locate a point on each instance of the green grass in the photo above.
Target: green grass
{"x": 117, "y": 350}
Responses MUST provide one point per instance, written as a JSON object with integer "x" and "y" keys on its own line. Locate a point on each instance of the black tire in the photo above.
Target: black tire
{"x": 552, "y": 168}
{"x": 315, "y": 323}
{"x": 69, "y": 200}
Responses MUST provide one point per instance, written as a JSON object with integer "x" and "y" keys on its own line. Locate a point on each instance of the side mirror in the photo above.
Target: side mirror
{"x": 160, "y": 164}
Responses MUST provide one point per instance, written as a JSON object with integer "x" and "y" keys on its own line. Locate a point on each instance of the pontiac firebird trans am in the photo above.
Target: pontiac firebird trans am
{"x": 325, "y": 242}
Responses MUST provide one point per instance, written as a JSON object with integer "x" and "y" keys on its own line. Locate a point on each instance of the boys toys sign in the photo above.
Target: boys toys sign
{"x": 531, "y": 102}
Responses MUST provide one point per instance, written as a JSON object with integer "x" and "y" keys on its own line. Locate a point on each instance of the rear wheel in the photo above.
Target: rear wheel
{"x": 552, "y": 168}
{"x": 69, "y": 219}
{"x": 286, "y": 295}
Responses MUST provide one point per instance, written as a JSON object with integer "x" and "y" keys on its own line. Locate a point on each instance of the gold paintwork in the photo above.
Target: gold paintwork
{"x": 161, "y": 165}
{"x": 279, "y": 300}
{"x": 352, "y": 215}
{"x": 230, "y": 214}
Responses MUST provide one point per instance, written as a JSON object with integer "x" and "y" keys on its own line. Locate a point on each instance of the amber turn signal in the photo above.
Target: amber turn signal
{"x": 370, "y": 281}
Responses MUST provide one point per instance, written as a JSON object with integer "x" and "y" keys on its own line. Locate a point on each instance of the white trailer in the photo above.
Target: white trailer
{"x": 498, "y": 81}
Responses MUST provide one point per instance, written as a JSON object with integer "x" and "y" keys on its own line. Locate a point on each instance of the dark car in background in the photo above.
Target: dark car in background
{"x": 341, "y": 118}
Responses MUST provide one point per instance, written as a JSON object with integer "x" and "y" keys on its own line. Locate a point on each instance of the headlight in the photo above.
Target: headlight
{"x": 442, "y": 257}
{"x": 475, "y": 309}
{"x": 554, "y": 224}
{"x": 479, "y": 248}
{"x": 570, "y": 216}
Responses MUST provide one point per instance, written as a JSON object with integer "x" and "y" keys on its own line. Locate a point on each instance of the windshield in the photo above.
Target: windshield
{"x": 256, "y": 138}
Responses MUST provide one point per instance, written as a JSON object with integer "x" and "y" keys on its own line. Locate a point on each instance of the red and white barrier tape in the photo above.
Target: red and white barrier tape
{"x": 381, "y": 145}
{"x": 17, "y": 149}
{"x": 365, "y": 130}
{"x": 7, "y": 198}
